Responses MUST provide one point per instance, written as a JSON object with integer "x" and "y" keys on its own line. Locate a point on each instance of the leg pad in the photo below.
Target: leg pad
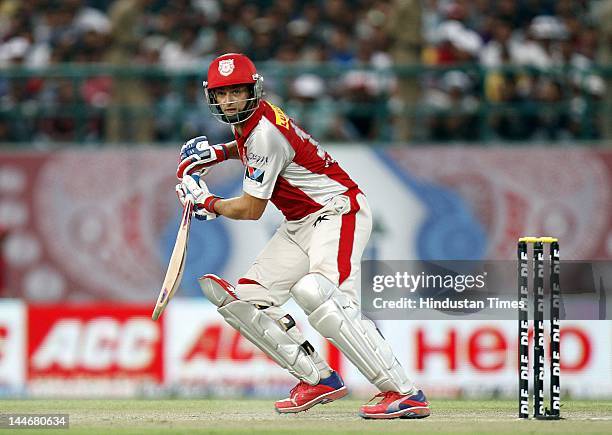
{"x": 339, "y": 320}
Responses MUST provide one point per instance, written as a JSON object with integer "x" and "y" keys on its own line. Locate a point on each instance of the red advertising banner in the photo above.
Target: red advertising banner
{"x": 95, "y": 342}
{"x": 89, "y": 350}
{"x": 12, "y": 345}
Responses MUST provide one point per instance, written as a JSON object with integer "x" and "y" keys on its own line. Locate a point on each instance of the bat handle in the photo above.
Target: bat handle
{"x": 187, "y": 210}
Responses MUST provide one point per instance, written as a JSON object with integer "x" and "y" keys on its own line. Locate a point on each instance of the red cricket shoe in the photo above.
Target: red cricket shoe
{"x": 304, "y": 396}
{"x": 397, "y": 405}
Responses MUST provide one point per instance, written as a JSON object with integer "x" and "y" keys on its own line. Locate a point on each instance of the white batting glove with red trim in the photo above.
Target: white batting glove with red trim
{"x": 204, "y": 201}
{"x": 196, "y": 155}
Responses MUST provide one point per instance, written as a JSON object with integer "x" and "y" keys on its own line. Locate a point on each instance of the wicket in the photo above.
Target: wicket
{"x": 554, "y": 413}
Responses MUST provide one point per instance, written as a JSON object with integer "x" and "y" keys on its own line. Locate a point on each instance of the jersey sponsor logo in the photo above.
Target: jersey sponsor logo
{"x": 257, "y": 159}
{"x": 281, "y": 118}
{"x": 226, "y": 67}
{"x": 255, "y": 174}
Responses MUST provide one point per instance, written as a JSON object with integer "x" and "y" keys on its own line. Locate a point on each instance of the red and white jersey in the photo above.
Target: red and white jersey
{"x": 286, "y": 165}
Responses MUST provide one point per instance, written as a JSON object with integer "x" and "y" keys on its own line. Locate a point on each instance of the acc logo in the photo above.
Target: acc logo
{"x": 98, "y": 347}
{"x": 281, "y": 118}
{"x": 226, "y": 67}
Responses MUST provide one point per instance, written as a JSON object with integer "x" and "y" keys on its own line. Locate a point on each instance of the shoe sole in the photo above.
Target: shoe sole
{"x": 415, "y": 412}
{"x": 322, "y": 399}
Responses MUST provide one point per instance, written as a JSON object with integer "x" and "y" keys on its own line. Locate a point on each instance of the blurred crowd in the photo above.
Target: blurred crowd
{"x": 494, "y": 69}
{"x": 538, "y": 58}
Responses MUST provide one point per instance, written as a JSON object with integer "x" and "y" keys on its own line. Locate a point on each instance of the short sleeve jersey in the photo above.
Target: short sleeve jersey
{"x": 286, "y": 165}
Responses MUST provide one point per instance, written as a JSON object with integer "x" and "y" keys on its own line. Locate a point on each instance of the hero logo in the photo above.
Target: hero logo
{"x": 491, "y": 349}
{"x": 100, "y": 346}
{"x": 226, "y": 67}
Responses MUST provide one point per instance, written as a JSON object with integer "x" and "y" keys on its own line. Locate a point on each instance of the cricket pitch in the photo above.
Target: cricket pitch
{"x": 204, "y": 416}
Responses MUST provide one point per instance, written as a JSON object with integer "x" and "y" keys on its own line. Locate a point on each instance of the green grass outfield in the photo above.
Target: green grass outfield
{"x": 257, "y": 416}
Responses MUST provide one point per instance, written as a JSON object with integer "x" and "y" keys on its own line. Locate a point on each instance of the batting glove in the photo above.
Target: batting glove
{"x": 196, "y": 155}
{"x": 204, "y": 201}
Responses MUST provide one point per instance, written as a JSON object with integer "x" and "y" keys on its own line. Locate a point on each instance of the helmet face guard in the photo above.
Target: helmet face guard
{"x": 252, "y": 103}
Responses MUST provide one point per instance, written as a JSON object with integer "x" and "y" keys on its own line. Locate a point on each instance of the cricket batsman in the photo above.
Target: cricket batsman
{"x": 313, "y": 257}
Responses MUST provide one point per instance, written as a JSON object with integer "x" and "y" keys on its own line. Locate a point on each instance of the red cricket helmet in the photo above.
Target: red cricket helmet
{"x": 228, "y": 70}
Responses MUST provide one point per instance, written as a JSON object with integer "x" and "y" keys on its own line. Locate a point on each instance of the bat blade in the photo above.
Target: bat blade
{"x": 176, "y": 265}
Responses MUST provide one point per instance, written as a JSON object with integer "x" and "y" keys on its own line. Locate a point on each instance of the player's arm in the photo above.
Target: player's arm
{"x": 269, "y": 154}
{"x": 232, "y": 150}
{"x": 273, "y": 153}
{"x": 208, "y": 206}
{"x": 245, "y": 207}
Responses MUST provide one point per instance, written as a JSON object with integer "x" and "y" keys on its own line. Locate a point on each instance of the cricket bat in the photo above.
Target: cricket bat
{"x": 176, "y": 266}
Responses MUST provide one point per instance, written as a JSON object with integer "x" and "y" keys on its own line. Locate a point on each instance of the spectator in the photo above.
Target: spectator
{"x": 541, "y": 46}
{"x": 502, "y": 49}
{"x": 127, "y": 30}
{"x": 3, "y": 267}
{"x": 456, "y": 44}
{"x": 553, "y": 123}
{"x": 58, "y": 123}
{"x": 407, "y": 42}
{"x": 18, "y": 95}
{"x": 262, "y": 45}
{"x": 341, "y": 49}
{"x": 584, "y": 107}
{"x": 364, "y": 89}
{"x": 453, "y": 108}
{"x": 605, "y": 58}
{"x": 515, "y": 119}
{"x": 308, "y": 103}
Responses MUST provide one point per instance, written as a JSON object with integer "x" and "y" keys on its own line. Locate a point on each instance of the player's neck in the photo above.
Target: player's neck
{"x": 238, "y": 128}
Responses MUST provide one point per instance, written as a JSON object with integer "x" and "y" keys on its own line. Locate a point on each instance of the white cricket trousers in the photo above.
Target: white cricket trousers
{"x": 330, "y": 242}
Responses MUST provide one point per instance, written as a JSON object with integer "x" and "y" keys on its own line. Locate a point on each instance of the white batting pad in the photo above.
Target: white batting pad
{"x": 335, "y": 317}
{"x": 263, "y": 331}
